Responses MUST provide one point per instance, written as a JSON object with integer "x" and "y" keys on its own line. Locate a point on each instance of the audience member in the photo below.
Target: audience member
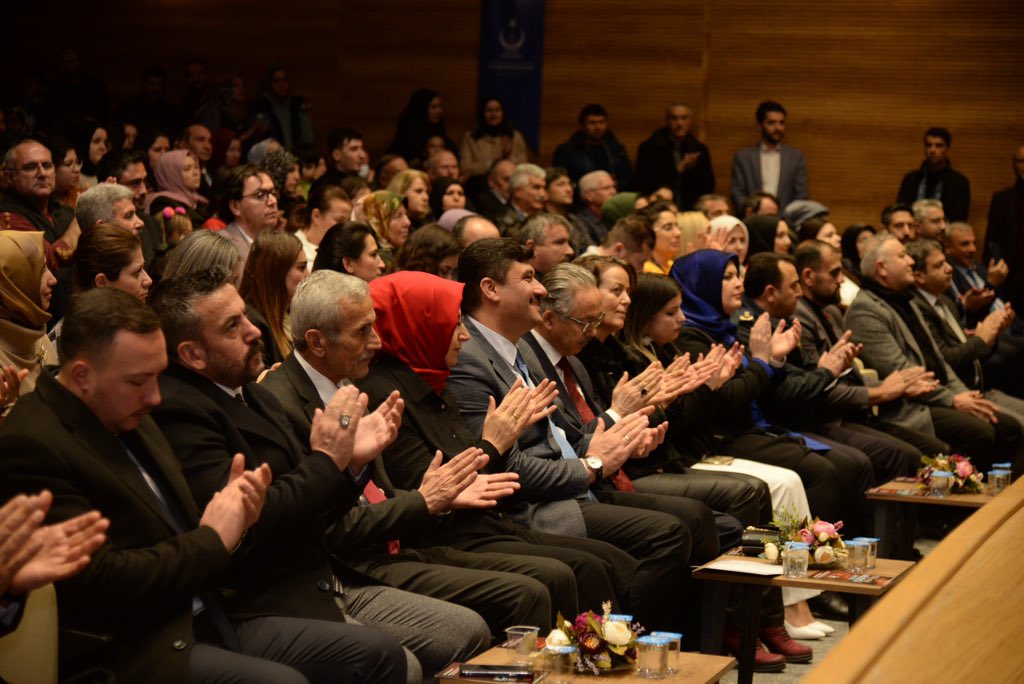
{"x": 492, "y": 138}
{"x": 469, "y": 229}
{"x": 443, "y": 164}
{"x": 198, "y": 140}
{"x": 560, "y": 190}
{"x": 350, "y": 248}
{"x": 110, "y": 256}
{"x": 936, "y": 178}
{"x": 178, "y": 179}
{"x": 386, "y": 213}
{"x": 387, "y": 167}
{"x": 346, "y": 157}
{"x": 898, "y": 221}
{"x": 446, "y": 193}
{"x": 732, "y": 235}
{"x": 594, "y": 148}
{"x": 713, "y": 206}
{"x": 673, "y": 158}
{"x": 527, "y": 195}
{"x": 885, "y": 320}
{"x": 327, "y": 206}
{"x": 414, "y": 188}
{"x": 129, "y": 170}
{"x": 201, "y": 251}
{"x": 150, "y": 107}
{"x": 421, "y": 119}
{"x": 108, "y": 203}
{"x": 596, "y": 188}
{"x": 975, "y": 286}
{"x": 276, "y": 265}
{"x": 1005, "y": 224}
{"x": 667, "y": 237}
{"x": 761, "y": 204}
{"x": 929, "y": 219}
{"x": 854, "y": 241}
{"x": 631, "y": 240}
{"x": 92, "y": 144}
{"x": 491, "y": 201}
{"x": 26, "y": 286}
{"x": 547, "y": 236}
{"x": 67, "y": 171}
{"x": 769, "y": 166}
{"x": 430, "y": 249}
{"x": 286, "y": 115}
{"x": 767, "y": 234}
{"x": 28, "y": 203}
{"x": 251, "y": 202}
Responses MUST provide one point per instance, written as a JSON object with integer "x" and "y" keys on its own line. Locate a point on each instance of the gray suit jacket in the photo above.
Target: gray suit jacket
{"x": 889, "y": 345}
{"x": 234, "y": 233}
{"x": 746, "y": 175}
{"x": 550, "y": 483}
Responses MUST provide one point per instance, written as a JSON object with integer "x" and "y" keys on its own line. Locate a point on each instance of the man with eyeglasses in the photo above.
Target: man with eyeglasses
{"x": 250, "y": 198}
{"x": 29, "y": 205}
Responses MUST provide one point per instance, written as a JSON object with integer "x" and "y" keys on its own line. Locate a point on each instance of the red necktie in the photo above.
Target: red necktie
{"x": 619, "y": 480}
{"x": 375, "y": 495}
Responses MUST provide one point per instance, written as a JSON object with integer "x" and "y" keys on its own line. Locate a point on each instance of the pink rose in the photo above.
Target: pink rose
{"x": 821, "y": 526}
{"x": 964, "y": 469}
{"x": 806, "y": 536}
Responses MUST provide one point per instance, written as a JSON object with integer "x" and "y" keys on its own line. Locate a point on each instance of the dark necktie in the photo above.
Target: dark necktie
{"x": 619, "y": 479}
{"x": 376, "y": 495}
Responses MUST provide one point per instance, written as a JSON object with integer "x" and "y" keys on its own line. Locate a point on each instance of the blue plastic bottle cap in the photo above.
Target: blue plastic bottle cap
{"x": 941, "y": 473}
{"x": 671, "y": 636}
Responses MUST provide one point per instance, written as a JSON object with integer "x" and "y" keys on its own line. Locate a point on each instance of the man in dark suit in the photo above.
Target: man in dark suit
{"x": 151, "y": 593}
{"x": 769, "y": 166}
{"x": 335, "y": 315}
{"x": 501, "y": 302}
{"x": 975, "y": 287}
{"x": 1003, "y": 236}
{"x": 213, "y": 409}
{"x": 936, "y": 179}
{"x": 673, "y": 158}
{"x": 975, "y": 358}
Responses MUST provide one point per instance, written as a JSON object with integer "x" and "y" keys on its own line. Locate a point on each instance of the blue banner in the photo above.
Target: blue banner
{"x": 511, "y": 57}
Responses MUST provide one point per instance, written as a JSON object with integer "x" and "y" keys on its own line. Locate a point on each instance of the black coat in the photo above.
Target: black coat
{"x": 656, "y": 167}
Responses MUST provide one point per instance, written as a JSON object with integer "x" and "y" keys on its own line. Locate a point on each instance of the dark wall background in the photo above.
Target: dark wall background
{"x": 861, "y": 80}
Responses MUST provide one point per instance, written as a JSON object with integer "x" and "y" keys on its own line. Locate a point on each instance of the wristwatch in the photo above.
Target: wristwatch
{"x": 594, "y": 465}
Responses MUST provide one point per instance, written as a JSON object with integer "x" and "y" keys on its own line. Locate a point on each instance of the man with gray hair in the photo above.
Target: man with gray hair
{"x": 885, "y": 319}
{"x": 930, "y": 219}
{"x": 528, "y": 192}
{"x": 548, "y": 236}
{"x": 492, "y": 201}
{"x": 442, "y": 164}
{"x": 596, "y": 188}
{"x": 108, "y": 203}
{"x": 332, "y": 317}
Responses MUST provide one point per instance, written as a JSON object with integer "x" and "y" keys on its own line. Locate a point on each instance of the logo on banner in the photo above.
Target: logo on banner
{"x": 511, "y": 38}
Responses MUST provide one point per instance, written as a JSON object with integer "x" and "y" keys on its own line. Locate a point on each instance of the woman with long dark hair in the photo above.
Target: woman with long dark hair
{"x": 492, "y": 138}
{"x": 275, "y": 267}
{"x": 422, "y": 119}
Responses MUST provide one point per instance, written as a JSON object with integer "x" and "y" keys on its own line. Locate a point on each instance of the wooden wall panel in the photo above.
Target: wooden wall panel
{"x": 862, "y": 80}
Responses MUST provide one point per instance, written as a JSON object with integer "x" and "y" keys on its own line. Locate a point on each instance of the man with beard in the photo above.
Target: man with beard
{"x": 936, "y": 178}
{"x": 769, "y": 166}
{"x": 820, "y": 270}
{"x": 213, "y": 409}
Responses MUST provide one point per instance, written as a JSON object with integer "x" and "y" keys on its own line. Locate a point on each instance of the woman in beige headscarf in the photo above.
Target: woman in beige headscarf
{"x": 25, "y": 290}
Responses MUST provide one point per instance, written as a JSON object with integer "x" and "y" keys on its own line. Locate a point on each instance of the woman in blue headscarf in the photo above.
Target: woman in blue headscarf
{"x": 712, "y": 291}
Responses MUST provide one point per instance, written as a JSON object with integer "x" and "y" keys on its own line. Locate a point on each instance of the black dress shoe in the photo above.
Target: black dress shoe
{"x": 830, "y": 605}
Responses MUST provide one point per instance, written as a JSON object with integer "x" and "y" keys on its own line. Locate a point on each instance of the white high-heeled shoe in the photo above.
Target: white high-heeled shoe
{"x": 822, "y": 627}
{"x": 805, "y": 632}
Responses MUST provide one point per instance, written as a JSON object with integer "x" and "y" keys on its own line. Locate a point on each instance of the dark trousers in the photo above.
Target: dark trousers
{"x": 928, "y": 445}
{"x": 697, "y": 518}
{"x": 984, "y": 442}
{"x": 743, "y": 497}
{"x": 283, "y": 650}
{"x": 890, "y": 456}
{"x": 660, "y": 545}
{"x": 856, "y": 476}
{"x": 818, "y": 473}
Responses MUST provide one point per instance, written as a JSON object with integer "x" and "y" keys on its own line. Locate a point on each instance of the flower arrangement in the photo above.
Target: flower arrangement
{"x": 966, "y": 479}
{"x": 826, "y": 544}
{"x": 604, "y": 644}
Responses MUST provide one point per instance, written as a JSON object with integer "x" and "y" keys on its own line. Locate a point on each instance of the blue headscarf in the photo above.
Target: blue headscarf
{"x": 700, "y": 276}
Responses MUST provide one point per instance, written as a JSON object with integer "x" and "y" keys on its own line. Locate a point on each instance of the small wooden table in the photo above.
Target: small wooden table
{"x": 896, "y": 513}
{"x": 694, "y": 668}
{"x": 862, "y": 594}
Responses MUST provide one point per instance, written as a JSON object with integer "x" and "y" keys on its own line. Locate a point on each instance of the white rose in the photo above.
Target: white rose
{"x": 771, "y": 552}
{"x": 617, "y": 633}
{"x": 557, "y": 638}
{"x": 823, "y": 537}
{"x": 824, "y": 555}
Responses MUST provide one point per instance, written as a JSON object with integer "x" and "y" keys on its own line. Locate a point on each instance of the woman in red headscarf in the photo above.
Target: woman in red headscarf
{"x": 421, "y": 332}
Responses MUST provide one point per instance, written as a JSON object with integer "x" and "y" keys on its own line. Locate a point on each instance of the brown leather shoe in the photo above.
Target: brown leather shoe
{"x": 763, "y": 660}
{"x": 777, "y": 640}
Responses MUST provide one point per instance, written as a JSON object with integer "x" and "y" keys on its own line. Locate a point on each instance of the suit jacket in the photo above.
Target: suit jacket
{"x": 964, "y": 357}
{"x": 1004, "y": 221}
{"x": 656, "y": 168}
{"x": 889, "y": 345}
{"x": 961, "y": 284}
{"x": 364, "y": 530}
{"x": 286, "y": 572}
{"x": 548, "y": 482}
{"x": 746, "y": 175}
{"x": 139, "y": 585}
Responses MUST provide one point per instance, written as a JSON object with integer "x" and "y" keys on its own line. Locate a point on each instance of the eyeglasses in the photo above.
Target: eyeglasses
{"x": 587, "y": 326}
{"x": 262, "y": 195}
{"x": 35, "y": 166}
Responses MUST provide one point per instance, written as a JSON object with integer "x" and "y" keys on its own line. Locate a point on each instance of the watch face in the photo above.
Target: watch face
{"x": 594, "y": 462}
